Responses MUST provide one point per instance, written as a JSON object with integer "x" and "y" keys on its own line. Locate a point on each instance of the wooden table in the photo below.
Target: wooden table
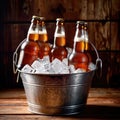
{"x": 102, "y": 103}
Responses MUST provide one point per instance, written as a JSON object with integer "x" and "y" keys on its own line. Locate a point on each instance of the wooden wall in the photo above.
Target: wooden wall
{"x": 103, "y": 17}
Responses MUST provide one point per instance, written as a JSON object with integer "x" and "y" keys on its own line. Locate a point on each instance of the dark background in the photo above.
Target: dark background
{"x": 103, "y": 18}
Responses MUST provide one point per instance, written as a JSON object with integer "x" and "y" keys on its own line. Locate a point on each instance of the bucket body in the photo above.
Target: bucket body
{"x": 56, "y": 94}
{"x": 61, "y": 94}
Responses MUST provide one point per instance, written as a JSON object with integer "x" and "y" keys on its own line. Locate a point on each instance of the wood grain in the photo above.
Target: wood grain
{"x": 72, "y": 10}
{"x": 102, "y": 103}
{"x": 115, "y": 36}
{"x": 103, "y": 18}
{"x": 102, "y": 35}
{"x": 115, "y": 12}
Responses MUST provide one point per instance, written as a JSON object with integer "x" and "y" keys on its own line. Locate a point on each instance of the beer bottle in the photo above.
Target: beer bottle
{"x": 59, "y": 50}
{"x": 43, "y": 39}
{"x": 86, "y": 38}
{"x": 30, "y": 48}
{"x": 78, "y": 58}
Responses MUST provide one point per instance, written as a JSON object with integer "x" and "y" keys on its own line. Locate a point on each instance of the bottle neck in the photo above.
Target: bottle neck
{"x": 37, "y": 31}
{"x": 33, "y": 32}
{"x": 43, "y": 36}
{"x": 86, "y": 41}
{"x": 59, "y": 41}
{"x": 79, "y": 46}
{"x": 79, "y": 43}
{"x": 59, "y": 35}
{"x": 86, "y": 36}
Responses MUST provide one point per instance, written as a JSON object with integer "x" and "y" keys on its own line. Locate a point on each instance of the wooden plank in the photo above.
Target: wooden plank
{"x": 27, "y": 117}
{"x": 17, "y": 10}
{"x": 70, "y": 29}
{"x": 90, "y": 10}
{"x": 103, "y": 116}
{"x": 20, "y": 106}
{"x": 115, "y": 36}
{"x": 114, "y": 70}
{"x": 91, "y": 111}
{"x": 72, "y": 10}
{"x": 91, "y": 32}
{"x": 104, "y": 93}
{"x": 102, "y": 9}
{"x": 102, "y": 35}
{"x": 115, "y": 9}
{"x": 50, "y": 26}
{"x": 34, "y": 117}
{"x": 82, "y": 9}
{"x": 12, "y": 93}
{"x": 15, "y": 34}
{"x": 102, "y": 103}
{"x": 93, "y": 92}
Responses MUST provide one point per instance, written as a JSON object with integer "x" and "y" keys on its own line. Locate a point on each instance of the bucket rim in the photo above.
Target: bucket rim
{"x": 54, "y": 74}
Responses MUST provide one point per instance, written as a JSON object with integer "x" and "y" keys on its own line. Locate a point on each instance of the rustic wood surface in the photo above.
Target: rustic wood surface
{"x": 102, "y": 103}
{"x": 70, "y": 10}
{"x": 103, "y": 18}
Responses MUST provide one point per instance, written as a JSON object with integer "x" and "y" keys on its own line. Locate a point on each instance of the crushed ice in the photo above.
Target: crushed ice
{"x": 44, "y": 66}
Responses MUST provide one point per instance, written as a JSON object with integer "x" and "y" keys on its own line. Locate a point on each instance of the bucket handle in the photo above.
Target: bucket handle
{"x": 15, "y": 57}
{"x": 98, "y": 60}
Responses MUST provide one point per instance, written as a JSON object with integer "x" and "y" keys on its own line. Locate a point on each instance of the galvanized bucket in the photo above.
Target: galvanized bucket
{"x": 56, "y": 94}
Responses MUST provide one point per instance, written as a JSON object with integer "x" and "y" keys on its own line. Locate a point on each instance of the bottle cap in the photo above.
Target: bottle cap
{"x": 85, "y": 25}
{"x": 59, "y": 19}
{"x": 38, "y": 17}
{"x": 81, "y": 23}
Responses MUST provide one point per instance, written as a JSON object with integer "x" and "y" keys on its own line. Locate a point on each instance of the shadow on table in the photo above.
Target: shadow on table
{"x": 98, "y": 112}
{"x": 95, "y": 111}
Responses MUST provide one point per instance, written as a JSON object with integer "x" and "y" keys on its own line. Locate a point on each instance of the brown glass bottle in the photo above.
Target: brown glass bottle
{"x": 87, "y": 50}
{"x": 59, "y": 50}
{"x": 30, "y": 48}
{"x": 78, "y": 58}
{"x": 45, "y": 47}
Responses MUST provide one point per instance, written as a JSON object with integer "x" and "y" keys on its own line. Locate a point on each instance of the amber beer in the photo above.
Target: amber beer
{"x": 78, "y": 58}
{"x": 60, "y": 40}
{"x": 30, "y": 48}
{"x": 43, "y": 37}
{"x": 44, "y": 45}
{"x": 59, "y": 50}
{"x": 87, "y": 49}
{"x": 29, "y": 53}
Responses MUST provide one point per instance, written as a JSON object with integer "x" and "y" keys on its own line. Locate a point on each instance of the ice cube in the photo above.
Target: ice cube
{"x": 79, "y": 70}
{"x": 38, "y": 66}
{"x": 56, "y": 66}
{"x": 59, "y": 67}
{"x": 41, "y": 72}
{"x": 46, "y": 63}
{"x": 91, "y": 66}
{"x": 65, "y": 67}
{"x": 71, "y": 68}
{"x": 46, "y": 58}
{"x": 28, "y": 68}
{"x": 65, "y": 61}
{"x": 51, "y": 71}
{"x": 65, "y": 70}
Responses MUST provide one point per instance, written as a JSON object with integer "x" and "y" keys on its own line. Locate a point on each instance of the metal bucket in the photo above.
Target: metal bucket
{"x": 57, "y": 94}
